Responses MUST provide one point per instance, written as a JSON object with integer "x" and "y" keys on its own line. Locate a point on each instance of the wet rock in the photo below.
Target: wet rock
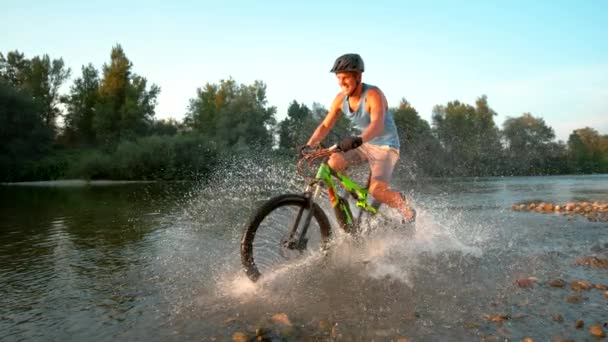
{"x": 230, "y": 321}
{"x": 597, "y": 331}
{"x": 579, "y": 285}
{"x": 573, "y": 299}
{"x": 403, "y": 339}
{"x": 502, "y": 331}
{"x": 239, "y": 337}
{"x": 261, "y": 331}
{"x": 592, "y": 211}
{"x": 471, "y": 325}
{"x": 606, "y": 294}
{"x": 601, "y": 287}
{"x": 579, "y": 324}
{"x": 286, "y": 331}
{"x": 592, "y": 261}
{"x": 341, "y": 332}
{"x": 526, "y": 282}
{"x": 324, "y": 325}
{"x": 517, "y": 207}
{"x": 527, "y": 339}
{"x": 281, "y": 319}
{"x": 557, "y": 283}
{"x": 497, "y": 318}
{"x": 411, "y": 316}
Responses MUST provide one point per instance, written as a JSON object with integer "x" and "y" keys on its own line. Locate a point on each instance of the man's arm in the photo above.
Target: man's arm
{"x": 328, "y": 123}
{"x": 377, "y": 109}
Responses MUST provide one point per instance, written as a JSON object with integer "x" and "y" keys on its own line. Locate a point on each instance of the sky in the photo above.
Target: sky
{"x": 547, "y": 58}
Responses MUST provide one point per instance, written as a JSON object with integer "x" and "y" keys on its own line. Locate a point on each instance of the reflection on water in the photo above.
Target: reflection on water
{"x": 159, "y": 261}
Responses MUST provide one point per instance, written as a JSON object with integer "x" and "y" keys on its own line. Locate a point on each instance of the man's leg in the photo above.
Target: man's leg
{"x": 382, "y": 163}
{"x": 381, "y": 192}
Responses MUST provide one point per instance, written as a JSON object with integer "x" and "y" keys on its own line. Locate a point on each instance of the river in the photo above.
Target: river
{"x": 160, "y": 262}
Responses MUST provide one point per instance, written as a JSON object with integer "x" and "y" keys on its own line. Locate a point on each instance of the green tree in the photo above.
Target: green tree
{"x": 23, "y": 134}
{"x": 81, "y": 102}
{"x": 489, "y": 160}
{"x": 233, "y": 115}
{"x": 41, "y": 77}
{"x": 297, "y": 127}
{"x": 45, "y": 79}
{"x": 588, "y": 151}
{"x": 420, "y": 150}
{"x": 469, "y": 137}
{"x": 125, "y": 108}
{"x": 529, "y": 145}
{"x": 13, "y": 68}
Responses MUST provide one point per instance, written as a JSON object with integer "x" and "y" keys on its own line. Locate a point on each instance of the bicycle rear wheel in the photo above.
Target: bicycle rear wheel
{"x": 282, "y": 230}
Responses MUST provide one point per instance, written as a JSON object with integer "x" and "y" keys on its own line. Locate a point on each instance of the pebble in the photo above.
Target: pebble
{"x": 239, "y": 337}
{"x": 557, "y": 283}
{"x": 597, "y": 331}
{"x": 579, "y": 324}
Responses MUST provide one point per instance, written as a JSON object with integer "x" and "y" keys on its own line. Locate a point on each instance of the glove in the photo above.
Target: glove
{"x": 349, "y": 143}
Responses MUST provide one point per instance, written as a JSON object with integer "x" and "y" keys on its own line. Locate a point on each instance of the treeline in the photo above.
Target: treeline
{"x": 104, "y": 127}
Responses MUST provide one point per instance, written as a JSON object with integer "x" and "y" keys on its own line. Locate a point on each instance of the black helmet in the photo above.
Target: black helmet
{"x": 348, "y": 62}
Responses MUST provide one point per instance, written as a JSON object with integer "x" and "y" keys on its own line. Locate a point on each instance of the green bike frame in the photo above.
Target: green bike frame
{"x": 325, "y": 175}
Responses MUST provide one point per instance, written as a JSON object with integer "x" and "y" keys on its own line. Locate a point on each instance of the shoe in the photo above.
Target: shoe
{"x": 412, "y": 220}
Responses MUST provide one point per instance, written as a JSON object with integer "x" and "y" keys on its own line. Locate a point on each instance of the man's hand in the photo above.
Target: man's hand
{"x": 306, "y": 149}
{"x": 349, "y": 143}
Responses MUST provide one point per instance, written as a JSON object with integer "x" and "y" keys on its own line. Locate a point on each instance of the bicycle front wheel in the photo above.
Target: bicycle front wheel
{"x": 285, "y": 228}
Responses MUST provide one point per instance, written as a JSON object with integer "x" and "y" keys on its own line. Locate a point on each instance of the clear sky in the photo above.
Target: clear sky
{"x": 549, "y": 58}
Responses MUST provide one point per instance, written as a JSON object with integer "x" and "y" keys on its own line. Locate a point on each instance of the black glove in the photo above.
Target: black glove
{"x": 350, "y": 143}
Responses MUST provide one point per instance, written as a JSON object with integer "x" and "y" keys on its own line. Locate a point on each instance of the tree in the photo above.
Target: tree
{"x": 84, "y": 96}
{"x": 419, "y": 148}
{"x": 529, "y": 146}
{"x": 297, "y": 127}
{"x": 23, "y": 135}
{"x": 588, "y": 151}
{"x": 469, "y": 137}
{"x": 233, "y": 115}
{"x": 13, "y": 68}
{"x": 41, "y": 77}
{"x": 125, "y": 108}
{"x": 45, "y": 79}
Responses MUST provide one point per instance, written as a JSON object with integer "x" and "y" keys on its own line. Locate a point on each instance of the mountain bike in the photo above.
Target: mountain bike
{"x": 296, "y": 224}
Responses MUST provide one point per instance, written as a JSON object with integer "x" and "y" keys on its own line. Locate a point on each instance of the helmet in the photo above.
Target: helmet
{"x": 348, "y": 62}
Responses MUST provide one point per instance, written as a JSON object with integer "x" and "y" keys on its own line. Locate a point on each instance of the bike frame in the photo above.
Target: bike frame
{"x": 325, "y": 175}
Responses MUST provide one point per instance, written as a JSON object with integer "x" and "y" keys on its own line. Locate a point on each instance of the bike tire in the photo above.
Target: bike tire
{"x": 273, "y": 218}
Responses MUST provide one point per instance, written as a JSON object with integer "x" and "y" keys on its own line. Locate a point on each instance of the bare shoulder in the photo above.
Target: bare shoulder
{"x": 375, "y": 97}
{"x": 336, "y": 105}
{"x": 375, "y": 93}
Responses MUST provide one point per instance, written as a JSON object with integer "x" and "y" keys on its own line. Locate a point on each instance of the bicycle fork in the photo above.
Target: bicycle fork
{"x": 300, "y": 241}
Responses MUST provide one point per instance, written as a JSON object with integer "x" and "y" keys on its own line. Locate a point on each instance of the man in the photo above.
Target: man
{"x": 378, "y": 143}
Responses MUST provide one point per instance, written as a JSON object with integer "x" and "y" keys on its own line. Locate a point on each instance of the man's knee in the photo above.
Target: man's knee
{"x": 337, "y": 162}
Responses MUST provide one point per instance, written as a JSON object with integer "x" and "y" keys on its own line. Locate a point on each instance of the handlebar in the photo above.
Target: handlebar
{"x": 311, "y": 154}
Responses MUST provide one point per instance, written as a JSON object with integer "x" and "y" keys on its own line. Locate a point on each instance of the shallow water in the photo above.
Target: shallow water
{"x": 159, "y": 261}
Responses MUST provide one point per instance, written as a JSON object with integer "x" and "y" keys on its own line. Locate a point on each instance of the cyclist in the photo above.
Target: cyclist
{"x": 378, "y": 143}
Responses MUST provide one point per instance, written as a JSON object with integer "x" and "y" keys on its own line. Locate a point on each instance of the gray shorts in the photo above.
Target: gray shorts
{"x": 382, "y": 160}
